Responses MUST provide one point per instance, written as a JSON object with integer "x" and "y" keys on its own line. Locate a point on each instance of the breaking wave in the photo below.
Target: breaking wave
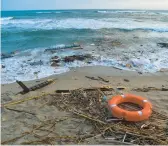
{"x": 81, "y": 23}
{"x": 6, "y": 18}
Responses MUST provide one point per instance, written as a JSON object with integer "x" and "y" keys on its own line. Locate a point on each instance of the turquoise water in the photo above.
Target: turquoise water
{"x": 31, "y": 32}
{"x": 44, "y": 28}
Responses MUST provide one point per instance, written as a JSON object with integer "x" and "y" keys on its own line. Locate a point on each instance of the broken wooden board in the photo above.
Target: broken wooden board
{"x": 87, "y": 89}
{"x": 33, "y": 88}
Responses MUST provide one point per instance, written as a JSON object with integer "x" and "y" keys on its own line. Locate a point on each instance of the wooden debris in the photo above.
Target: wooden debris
{"x": 87, "y": 117}
{"x": 114, "y": 142}
{"x": 99, "y": 78}
{"x": 124, "y": 137}
{"x": 33, "y": 88}
{"x": 77, "y": 57}
{"x": 126, "y": 80}
{"x": 16, "y": 110}
{"x": 92, "y": 78}
{"x": 87, "y": 89}
{"x": 85, "y": 103}
{"x": 147, "y": 89}
{"x": 24, "y": 87}
{"x": 104, "y": 80}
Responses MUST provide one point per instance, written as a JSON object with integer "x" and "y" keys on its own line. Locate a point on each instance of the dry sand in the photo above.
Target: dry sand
{"x": 15, "y": 123}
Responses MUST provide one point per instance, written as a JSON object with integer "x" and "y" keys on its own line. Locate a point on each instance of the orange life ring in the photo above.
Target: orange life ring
{"x": 135, "y": 116}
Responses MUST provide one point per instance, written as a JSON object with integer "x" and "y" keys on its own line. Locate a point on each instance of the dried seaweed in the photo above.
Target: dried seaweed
{"x": 89, "y": 105}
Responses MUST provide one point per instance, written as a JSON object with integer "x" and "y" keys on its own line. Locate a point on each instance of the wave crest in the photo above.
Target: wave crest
{"x": 81, "y": 23}
{"x": 6, "y": 18}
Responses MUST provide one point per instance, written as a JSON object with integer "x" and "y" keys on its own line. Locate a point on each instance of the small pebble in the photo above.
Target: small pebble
{"x": 126, "y": 80}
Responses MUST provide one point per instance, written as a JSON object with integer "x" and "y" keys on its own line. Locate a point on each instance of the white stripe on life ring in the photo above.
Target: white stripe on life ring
{"x": 113, "y": 105}
{"x": 145, "y": 101}
{"x": 140, "y": 113}
{"x": 123, "y": 96}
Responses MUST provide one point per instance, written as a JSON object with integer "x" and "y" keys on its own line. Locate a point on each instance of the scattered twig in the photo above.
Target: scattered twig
{"x": 114, "y": 142}
{"x": 124, "y": 137}
{"x": 92, "y": 78}
{"x": 87, "y": 117}
{"x": 16, "y": 110}
{"x": 104, "y": 80}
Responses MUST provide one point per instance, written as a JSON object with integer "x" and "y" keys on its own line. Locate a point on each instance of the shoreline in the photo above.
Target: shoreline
{"x": 110, "y": 71}
{"x": 75, "y": 78}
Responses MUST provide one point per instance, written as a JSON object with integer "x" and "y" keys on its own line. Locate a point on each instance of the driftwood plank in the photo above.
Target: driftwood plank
{"x": 33, "y": 88}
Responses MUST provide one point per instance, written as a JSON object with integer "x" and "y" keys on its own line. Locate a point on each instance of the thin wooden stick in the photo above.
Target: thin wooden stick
{"x": 124, "y": 137}
{"x": 114, "y": 141}
{"x": 16, "y": 110}
{"x": 90, "y": 118}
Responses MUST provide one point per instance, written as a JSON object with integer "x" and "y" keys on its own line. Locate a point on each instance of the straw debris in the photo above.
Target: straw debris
{"x": 90, "y": 106}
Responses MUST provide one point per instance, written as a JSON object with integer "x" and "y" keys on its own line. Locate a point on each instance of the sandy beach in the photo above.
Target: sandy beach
{"x": 88, "y": 72}
{"x": 19, "y": 118}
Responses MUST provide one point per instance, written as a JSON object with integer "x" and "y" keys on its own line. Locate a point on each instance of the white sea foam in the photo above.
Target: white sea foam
{"x": 20, "y": 66}
{"x": 80, "y": 23}
{"x": 133, "y": 12}
{"x": 121, "y": 11}
{"x": 43, "y": 12}
{"x": 6, "y": 18}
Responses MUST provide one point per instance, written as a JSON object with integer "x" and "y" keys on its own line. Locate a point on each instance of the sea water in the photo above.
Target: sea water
{"x": 31, "y": 32}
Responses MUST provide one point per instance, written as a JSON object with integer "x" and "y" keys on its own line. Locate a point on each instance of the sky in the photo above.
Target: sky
{"x": 83, "y": 4}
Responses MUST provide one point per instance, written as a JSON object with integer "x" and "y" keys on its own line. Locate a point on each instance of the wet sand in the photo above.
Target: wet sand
{"x": 15, "y": 123}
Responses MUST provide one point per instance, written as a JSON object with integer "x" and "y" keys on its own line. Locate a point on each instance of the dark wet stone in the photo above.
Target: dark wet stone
{"x": 126, "y": 80}
{"x": 77, "y": 57}
{"x": 69, "y": 59}
{"x": 3, "y": 66}
{"x": 163, "y": 45}
{"x": 54, "y": 64}
{"x": 36, "y": 72}
{"x": 36, "y": 63}
{"x": 89, "y": 62}
{"x": 140, "y": 72}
